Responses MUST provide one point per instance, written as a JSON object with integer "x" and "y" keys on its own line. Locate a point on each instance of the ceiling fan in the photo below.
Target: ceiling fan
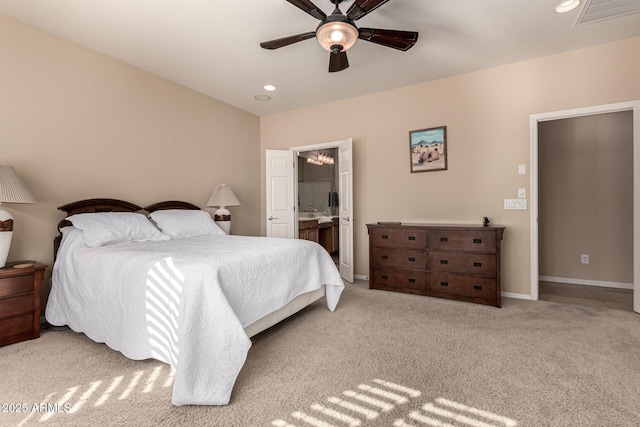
{"x": 337, "y": 32}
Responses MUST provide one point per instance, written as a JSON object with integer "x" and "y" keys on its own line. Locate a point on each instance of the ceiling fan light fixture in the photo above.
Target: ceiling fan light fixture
{"x": 336, "y": 33}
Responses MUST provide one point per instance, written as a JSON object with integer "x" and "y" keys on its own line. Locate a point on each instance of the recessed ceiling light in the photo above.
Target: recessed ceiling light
{"x": 270, "y": 88}
{"x": 567, "y": 5}
{"x": 262, "y": 98}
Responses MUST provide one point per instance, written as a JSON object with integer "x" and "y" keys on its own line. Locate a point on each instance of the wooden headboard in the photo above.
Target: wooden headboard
{"x": 171, "y": 204}
{"x": 99, "y": 205}
{"x": 110, "y": 205}
{"x": 90, "y": 206}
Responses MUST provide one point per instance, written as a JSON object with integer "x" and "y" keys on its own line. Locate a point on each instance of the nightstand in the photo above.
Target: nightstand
{"x": 20, "y": 301}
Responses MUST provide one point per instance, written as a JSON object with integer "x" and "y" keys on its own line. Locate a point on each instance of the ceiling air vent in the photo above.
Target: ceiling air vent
{"x": 600, "y": 10}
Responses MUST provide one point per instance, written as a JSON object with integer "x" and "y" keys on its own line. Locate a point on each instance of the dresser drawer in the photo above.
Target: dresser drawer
{"x": 399, "y": 238}
{"x": 463, "y": 263}
{"x": 16, "y": 325}
{"x": 16, "y": 285}
{"x": 456, "y": 240}
{"x": 402, "y": 258}
{"x": 462, "y": 286}
{"x": 400, "y": 279}
{"x": 17, "y": 305}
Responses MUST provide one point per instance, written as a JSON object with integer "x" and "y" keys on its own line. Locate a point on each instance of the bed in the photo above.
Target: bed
{"x": 179, "y": 292}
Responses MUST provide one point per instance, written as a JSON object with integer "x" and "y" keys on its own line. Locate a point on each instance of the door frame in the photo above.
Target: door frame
{"x": 579, "y": 112}
{"x": 324, "y": 146}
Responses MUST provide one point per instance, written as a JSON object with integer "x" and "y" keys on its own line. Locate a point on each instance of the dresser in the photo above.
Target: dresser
{"x": 20, "y": 301}
{"x": 447, "y": 261}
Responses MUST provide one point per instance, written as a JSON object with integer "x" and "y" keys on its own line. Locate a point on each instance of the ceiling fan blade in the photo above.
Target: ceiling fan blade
{"x": 310, "y": 8}
{"x": 362, "y": 7}
{"x": 401, "y": 40}
{"x": 338, "y": 61}
{"x": 286, "y": 41}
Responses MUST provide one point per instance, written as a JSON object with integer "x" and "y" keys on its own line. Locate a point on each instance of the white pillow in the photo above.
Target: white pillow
{"x": 178, "y": 223}
{"x": 105, "y": 228}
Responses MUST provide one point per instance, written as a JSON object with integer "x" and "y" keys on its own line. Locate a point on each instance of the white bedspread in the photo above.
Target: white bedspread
{"x": 186, "y": 301}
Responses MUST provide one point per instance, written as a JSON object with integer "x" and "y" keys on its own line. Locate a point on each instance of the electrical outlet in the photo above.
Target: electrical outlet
{"x": 584, "y": 258}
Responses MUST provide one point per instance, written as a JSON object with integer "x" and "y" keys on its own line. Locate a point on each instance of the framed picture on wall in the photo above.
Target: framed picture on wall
{"x": 428, "y": 149}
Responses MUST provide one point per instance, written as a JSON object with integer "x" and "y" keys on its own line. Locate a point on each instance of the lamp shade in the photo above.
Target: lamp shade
{"x": 223, "y": 196}
{"x": 12, "y": 188}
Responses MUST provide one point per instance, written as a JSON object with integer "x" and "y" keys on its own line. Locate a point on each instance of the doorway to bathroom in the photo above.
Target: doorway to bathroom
{"x": 318, "y": 199}
{"x": 285, "y": 206}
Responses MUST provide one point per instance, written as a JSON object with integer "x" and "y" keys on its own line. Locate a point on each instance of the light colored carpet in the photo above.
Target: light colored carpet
{"x": 381, "y": 359}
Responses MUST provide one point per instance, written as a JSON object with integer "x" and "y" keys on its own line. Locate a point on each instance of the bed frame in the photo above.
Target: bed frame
{"x": 115, "y": 205}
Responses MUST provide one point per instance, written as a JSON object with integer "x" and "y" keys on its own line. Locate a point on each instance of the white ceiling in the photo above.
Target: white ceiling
{"x": 212, "y": 46}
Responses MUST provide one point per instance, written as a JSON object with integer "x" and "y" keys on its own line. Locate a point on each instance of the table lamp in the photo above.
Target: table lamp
{"x": 222, "y": 197}
{"x": 12, "y": 190}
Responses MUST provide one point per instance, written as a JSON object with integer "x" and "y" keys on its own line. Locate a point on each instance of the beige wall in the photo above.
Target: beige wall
{"x": 487, "y": 117}
{"x": 586, "y": 197}
{"x": 76, "y": 124}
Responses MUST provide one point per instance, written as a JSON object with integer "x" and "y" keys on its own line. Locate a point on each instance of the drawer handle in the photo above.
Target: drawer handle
{"x": 444, "y": 261}
{"x": 384, "y": 237}
{"x": 444, "y": 283}
{"x": 412, "y": 237}
{"x": 384, "y": 276}
{"x": 412, "y": 259}
{"x": 477, "y": 287}
{"x": 385, "y": 257}
{"x": 477, "y": 240}
{"x": 477, "y": 264}
{"x": 444, "y": 239}
{"x": 412, "y": 280}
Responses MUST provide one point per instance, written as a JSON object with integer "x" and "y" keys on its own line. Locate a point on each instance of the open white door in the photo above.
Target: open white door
{"x": 280, "y": 194}
{"x": 345, "y": 185}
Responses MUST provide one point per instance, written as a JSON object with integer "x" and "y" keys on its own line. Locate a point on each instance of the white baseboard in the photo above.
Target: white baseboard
{"x": 618, "y": 285}
{"x": 518, "y": 296}
{"x": 600, "y": 283}
{"x": 504, "y": 294}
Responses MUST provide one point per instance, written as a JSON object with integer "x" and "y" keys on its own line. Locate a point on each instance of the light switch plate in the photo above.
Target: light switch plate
{"x": 522, "y": 193}
{"x": 522, "y": 169}
{"x": 515, "y": 204}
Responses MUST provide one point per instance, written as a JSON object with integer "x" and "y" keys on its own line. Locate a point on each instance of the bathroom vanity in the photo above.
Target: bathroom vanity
{"x": 323, "y": 230}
